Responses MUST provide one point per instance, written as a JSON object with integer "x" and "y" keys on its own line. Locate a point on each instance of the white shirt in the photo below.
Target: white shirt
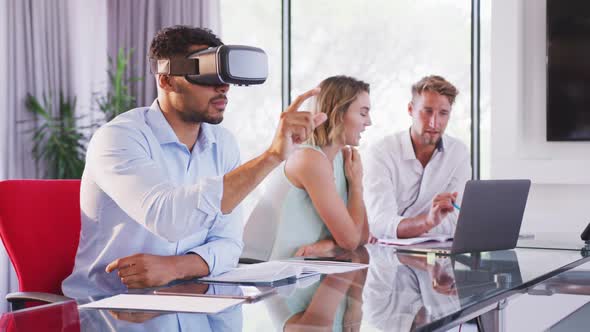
{"x": 398, "y": 187}
{"x": 143, "y": 191}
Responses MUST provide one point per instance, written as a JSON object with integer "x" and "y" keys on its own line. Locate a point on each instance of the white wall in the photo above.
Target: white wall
{"x": 559, "y": 170}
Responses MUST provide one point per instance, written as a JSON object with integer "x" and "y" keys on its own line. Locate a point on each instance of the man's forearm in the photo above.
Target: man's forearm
{"x": 412, "y": 227}
{"x": 238, "y": 183}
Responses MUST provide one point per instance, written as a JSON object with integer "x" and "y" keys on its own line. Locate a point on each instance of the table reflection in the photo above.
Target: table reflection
{"x": 327, "y": 303}
{"x": 109, "y": 320}
{"x": 406, "y": 292}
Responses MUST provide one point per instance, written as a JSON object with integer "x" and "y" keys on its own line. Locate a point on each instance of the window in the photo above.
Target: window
{"x": 390, "y": 45}
{"x": 252, "y": 113}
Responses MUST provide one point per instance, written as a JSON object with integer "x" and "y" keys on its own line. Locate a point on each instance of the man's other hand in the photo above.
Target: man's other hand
{"x": 442, "y": 205}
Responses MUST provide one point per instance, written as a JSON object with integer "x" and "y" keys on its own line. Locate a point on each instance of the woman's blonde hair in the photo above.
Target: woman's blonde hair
{"x": 334, "y": 99}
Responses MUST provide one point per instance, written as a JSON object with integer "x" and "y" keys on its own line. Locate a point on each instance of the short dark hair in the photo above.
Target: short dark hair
{"x": 176, "y": 40}
{"x": 436, "y": 84}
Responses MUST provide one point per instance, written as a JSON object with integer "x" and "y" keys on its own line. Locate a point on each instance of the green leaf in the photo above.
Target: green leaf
{"x": 57, "y": 141}
{"x": 116, "y": 99}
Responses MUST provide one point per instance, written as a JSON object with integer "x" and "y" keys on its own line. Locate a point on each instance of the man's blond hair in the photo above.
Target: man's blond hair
{"x": 436, "y": 84}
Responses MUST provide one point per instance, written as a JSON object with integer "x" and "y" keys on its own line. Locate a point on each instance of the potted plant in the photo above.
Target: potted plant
{"x": 57, "y": 142}
{"x": 117, "y": 98}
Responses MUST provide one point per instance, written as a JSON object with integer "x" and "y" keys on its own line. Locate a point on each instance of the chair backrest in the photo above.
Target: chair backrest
{"x": 40, "y": 229}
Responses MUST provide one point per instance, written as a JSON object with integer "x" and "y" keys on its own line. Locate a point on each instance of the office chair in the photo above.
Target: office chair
{"x": 40, "y": 229}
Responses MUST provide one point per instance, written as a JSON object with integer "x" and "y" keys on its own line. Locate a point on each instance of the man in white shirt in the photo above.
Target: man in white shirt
{"x": 161, "y": 183}
{"x": 414, "y": 177}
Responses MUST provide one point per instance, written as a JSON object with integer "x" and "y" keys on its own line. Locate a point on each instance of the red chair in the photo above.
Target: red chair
{"x": 40, "y": 229}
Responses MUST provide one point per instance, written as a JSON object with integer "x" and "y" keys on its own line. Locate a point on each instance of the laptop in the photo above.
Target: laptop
{"x": 490, "y": 218}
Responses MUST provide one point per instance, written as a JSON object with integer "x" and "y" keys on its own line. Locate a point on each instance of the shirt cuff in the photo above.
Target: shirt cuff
{"x": 207, "y": 255}
{"x": 392, "y": 226}
{"x": 385, "y": 227}
{"x": 209, "y": 192}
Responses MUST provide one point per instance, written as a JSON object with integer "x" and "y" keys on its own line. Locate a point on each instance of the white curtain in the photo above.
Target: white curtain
{"x": 133, "y": 24}
{"x": 35, "y": 44}
{"x": 7, "y": 276}
{"x": 45, "y": 47}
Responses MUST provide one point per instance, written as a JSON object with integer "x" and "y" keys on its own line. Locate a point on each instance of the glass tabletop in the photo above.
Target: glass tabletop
{"x": 397, "y": 292}
{"x": 418, "y": 292}
{"x": 560, "y": 303}
{"x": 551, "y": 240}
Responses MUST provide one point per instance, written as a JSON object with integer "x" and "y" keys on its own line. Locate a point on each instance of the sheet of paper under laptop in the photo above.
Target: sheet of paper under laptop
{"x": 415, "y": 240}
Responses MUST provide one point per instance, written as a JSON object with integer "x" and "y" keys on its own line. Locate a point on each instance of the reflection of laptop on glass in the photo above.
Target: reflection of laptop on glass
{"x": 490, "y": 218}
{"x": 479, "y": 274}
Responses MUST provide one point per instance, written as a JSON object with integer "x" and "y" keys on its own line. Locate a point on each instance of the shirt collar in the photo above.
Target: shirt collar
{"x": 408, "y": 152}
{"x": 165, "y": 134}
{"x": 206, "y": 137}
{"x": 159, "y": 125}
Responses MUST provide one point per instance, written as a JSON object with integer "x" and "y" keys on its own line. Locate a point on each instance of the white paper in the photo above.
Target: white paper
{"x": 415, "y": 240}
{"x": 272, "y": 271}
{"x": 261, "y": 272}
{"x": 207, "y": 305}
{"x": 324, "y": 267}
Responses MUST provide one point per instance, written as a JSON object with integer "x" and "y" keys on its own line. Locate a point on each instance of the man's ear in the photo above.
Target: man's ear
{"x": 166, "y": 83}
{"x": 410, "y": 108}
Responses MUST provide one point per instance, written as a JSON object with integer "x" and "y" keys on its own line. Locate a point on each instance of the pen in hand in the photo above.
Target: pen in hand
{"x": 456, "y": 206}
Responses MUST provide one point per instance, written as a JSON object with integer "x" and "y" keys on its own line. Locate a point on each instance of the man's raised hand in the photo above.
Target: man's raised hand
{"x": 295, "y": 127}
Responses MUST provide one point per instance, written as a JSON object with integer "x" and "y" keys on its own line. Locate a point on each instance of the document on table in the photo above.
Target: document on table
{"x": 207, "y": 305}
{"x": 415, "y": 240}
{"x": 273, "y": 271}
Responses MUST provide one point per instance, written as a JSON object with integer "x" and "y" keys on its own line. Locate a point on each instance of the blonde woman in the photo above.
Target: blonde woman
{"x": 315, "y": 202}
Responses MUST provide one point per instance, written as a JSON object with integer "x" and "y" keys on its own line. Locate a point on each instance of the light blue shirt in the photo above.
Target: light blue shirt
{"x": 143, "y": 191}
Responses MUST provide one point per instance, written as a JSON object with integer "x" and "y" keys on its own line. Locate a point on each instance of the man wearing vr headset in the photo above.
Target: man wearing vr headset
{"x": 161, "y": 185}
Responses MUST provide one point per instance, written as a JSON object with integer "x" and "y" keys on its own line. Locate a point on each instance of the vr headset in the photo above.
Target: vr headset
{"x": 225, "y": 64}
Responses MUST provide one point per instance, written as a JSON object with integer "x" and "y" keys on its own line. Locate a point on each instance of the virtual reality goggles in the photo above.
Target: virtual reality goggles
{"x": 225, "y": 64}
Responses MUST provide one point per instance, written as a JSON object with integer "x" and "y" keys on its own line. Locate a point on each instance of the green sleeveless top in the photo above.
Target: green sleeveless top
{"x": 285, "y": 219}
{"x": 299, "y": 222}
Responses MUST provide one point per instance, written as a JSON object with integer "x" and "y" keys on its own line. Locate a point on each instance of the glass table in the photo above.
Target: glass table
{"x": 397, "y": 292}
{"x": 552, "y": 240}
